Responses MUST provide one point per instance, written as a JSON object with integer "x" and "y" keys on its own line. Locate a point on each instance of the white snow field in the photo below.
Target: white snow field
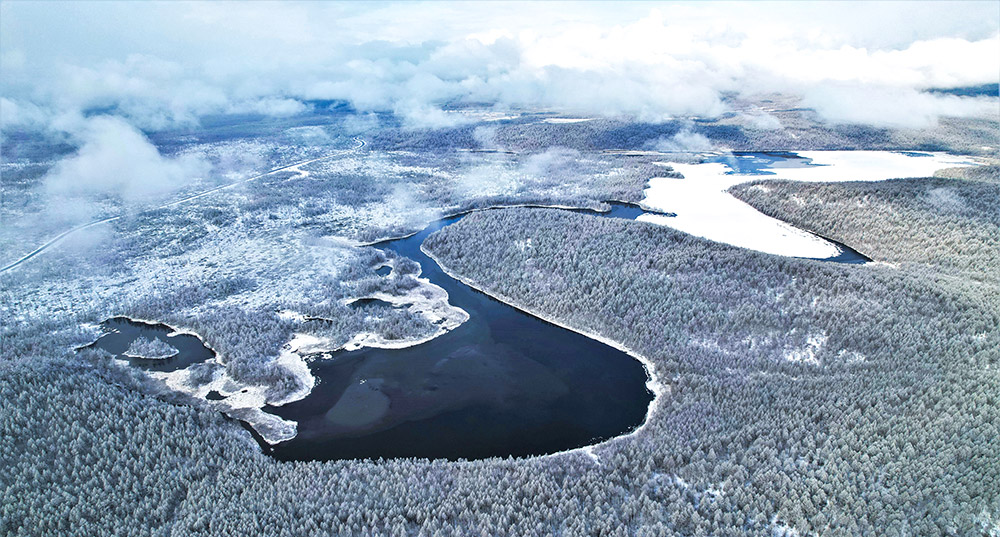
{"x": 705, "y": 208}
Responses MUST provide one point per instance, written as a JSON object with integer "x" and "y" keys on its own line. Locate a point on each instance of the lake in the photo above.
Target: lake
{"x": 504, "y": 383}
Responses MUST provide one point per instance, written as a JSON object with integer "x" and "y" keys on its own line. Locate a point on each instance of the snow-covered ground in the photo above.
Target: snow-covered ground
{"x": 705, "y": 208}
{"x": 247, "y": 401}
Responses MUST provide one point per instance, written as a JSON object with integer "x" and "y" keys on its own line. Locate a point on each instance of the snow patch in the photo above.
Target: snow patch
{"x": 289, "y": 315}
{"x": 299, "y": 172}
{"x": 708, "y": 344}
{"x": 781, "y": 529}
{"x": 808, "y": 352}
{"x": 989, "y": 524}
{"x": 589, "y": 452}
{"x": 560, "y": 120}
{"x": 851, "y": 357}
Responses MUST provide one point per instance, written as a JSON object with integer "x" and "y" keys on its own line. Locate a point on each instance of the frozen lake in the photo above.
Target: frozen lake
{"x": 703, "y": 207}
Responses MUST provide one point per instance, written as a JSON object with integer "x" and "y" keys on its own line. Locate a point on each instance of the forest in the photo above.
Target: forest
{"x": 801, "y": 397}
{"x": 408, "y": 269}
{"x": 883, "y": 429}
{"x": 950, "y": 225}
{"x": 729, "y": 329}
{"x": 150, "y": 349}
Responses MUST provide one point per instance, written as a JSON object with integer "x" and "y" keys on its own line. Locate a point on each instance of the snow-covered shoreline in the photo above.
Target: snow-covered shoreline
{"x": 704, "y": 207}
{"x": 245, "y": 401}
{"x": 653, "y": 383}
{"x": 428, "y": 300}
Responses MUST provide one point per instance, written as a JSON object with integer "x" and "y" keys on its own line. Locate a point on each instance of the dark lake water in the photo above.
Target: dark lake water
{"x": 121, "y": 332}
{"x": 503, "y": 383}
{"x": 847, "y": 254}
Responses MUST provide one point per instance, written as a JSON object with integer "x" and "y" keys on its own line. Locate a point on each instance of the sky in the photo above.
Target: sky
{"x": 163, "y": 65}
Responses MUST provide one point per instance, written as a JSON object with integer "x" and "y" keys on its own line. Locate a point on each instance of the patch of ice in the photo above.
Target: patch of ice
{"x": 560, "y": 120}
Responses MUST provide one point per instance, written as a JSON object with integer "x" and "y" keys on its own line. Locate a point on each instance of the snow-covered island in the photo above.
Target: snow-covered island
{"x": 150, "y": 349}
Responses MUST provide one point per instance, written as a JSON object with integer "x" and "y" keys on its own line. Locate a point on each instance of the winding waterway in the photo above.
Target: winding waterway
{"x": 504, "y": 383}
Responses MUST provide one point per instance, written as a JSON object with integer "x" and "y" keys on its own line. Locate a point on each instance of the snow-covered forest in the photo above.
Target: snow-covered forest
{"x": 225, "y": 177}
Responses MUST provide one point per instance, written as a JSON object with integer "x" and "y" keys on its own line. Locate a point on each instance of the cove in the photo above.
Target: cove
{"x": 122, "y": 331}
{"x": 504, "y": 383}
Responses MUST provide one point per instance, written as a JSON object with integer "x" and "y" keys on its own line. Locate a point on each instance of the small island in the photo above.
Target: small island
{"x": 150, "y": 349}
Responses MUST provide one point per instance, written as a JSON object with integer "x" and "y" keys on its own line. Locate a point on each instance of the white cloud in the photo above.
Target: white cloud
{"x": 160, "y": 65}
{"x": 684, "y": 141}
{"x": 277, "y": 107}
{"x": 23, "y": 114}
{"x": 115, "y": 159}
{"x": 485, "y": 136}
{"x": 312, "y": 135}
{"x": 554, "y": 162}
{"x": 360, "y": 123}
{"x": 762, "y": 121}
{"x": 893, "y": 106}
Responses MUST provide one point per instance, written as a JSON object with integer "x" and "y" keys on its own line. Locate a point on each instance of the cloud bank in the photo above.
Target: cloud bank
{"x": 160, "y": 65}
{"x": 116, "y": 158}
